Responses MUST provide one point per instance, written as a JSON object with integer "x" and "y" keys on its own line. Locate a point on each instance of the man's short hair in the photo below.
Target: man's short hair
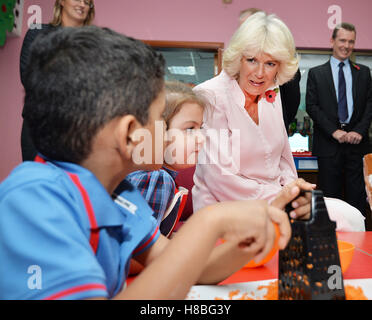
{"x": 79, "y": 79}
{"x": 344, "y": 25}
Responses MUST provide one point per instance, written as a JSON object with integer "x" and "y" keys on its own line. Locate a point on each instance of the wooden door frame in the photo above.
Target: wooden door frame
{"x": 216, "y": 47}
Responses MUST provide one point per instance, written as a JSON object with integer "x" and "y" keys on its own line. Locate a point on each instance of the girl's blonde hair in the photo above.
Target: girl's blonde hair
{"x": 176, "y": 94}
{"x": 57, "y": 14}
{"x": 262, "y": 33}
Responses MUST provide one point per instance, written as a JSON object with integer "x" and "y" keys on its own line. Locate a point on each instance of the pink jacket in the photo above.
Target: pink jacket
{"x": 256, "y": 160}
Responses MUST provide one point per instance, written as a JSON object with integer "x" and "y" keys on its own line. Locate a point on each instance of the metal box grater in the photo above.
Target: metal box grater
{"x": 304, "y": 272}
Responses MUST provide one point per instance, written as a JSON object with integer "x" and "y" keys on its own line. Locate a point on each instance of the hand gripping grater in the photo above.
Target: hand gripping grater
{"x": 304, "y": 265}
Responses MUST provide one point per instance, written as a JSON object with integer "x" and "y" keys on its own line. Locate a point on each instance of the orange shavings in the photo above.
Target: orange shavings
{"x": 272, "y": 290}
{"x": 233, "y": 293}
{"x": 271, "y": 294}
{"x": 351, "y": 292}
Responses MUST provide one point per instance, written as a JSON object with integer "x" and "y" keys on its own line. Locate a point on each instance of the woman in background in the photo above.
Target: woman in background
{"x": 66, "y": 13}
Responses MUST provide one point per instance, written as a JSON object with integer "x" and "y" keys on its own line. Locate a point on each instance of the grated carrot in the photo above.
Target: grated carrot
{"x": 233, "y": 293}
{"x": 245, "y": 296}
{"x": 351, "y": 292}
{"x": 272, "y": 290}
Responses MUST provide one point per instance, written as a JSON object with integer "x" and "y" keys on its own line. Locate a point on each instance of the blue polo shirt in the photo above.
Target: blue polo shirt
{"x": 45, "y": 230}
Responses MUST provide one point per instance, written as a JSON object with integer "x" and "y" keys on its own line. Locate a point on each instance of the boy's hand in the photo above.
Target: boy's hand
{"x": 280, "y": 218}
{"x": 289, "y": 192}
{"x": 250, "y": 225}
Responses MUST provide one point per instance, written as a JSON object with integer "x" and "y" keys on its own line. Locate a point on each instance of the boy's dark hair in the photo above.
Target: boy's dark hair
{"x": 79, "y": 79}
{"x": 344, "y": 25}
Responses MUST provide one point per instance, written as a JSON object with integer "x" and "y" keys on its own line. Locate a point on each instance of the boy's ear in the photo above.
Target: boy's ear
{"x": 124, "y": 133}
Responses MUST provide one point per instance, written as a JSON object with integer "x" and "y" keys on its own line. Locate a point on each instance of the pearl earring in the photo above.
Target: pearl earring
{"x": 276, "y": 79}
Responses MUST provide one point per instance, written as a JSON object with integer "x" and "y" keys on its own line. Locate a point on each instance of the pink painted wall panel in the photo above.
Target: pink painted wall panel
{"x": 211, "y": 20}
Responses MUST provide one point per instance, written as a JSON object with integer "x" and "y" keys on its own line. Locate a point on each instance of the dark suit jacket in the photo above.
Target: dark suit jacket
{"x": 321, "y": 105}
{"x": 291, "y": 97}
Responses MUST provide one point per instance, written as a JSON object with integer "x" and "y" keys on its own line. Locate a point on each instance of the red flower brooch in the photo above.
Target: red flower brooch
{"x": 356, "y": 66}
{"x": 271, "y": 94}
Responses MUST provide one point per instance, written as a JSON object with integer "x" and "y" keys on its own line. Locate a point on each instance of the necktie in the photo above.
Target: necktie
{"x": 342, "y": 102}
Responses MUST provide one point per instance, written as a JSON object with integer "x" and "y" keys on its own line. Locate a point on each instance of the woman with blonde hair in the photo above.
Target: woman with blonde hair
{"x": 66, "y": 13}
{"x": 74, "y": 13}
{"x": 256, "y": 162}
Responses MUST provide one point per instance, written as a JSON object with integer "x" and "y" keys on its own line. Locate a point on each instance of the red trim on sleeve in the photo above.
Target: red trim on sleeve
{"x": 147, "y": 242}
{"x": 180, "y": 210}
{"x": 77, "y": 289}
{"x": 94, "y": 234}
{"x": 39, "y": 159}
{"x": 94, "y": 230}
{"x": 147, "y": 182}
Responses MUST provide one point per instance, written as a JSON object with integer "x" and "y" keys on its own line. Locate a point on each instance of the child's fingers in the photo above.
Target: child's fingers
{"x": 302, "y": 207}
{"x": 268, "y": 245}
{"x": 281, "y": 219}
{"x": 304, "y": 185}
{"x": 304, "y": 199}
{"x": 255, "y": 246}
{"x": 285, "y": 196}
{"x": 303, "y": 212}
{"x": 291, "y": 191}
{"x": 256, "y": 242}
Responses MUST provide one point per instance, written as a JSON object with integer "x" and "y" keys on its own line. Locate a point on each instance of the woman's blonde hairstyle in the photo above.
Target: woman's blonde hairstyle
{"x": 57, "y": 14}
{"x": 177, "y": 94}
{"x": 262, "y": 33}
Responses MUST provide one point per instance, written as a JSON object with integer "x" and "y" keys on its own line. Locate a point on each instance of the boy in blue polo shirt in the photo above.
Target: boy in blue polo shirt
{"x": 89, "y": 91}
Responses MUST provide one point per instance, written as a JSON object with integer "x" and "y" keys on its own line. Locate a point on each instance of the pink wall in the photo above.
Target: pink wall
{"x": 211, "y": 20}
{"x": 11, "y": 94}
{"x": 187, "y": 20}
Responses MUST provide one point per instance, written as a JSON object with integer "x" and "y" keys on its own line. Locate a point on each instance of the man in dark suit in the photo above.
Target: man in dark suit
{"x": 291, "y": 96}
{"x": 339, "y": 100}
